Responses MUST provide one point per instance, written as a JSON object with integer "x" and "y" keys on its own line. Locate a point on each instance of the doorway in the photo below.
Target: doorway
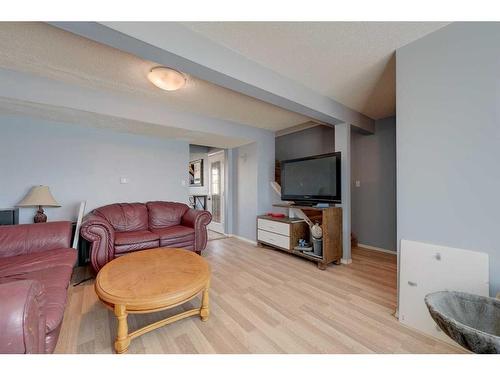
{"x": 216, "y": 193}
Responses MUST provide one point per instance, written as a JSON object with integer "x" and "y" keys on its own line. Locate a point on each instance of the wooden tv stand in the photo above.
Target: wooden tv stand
{"x": 284, "y": 233}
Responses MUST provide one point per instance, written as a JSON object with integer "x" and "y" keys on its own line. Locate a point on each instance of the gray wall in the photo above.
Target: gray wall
{"x": 448, "y": 140}
{"x": 373, "y": 204}
{"x": 85, "y": 163}
{"x": 80, "y": 163}
{"x": 265, "y": 173}
{"x": 253, "y": 172}
{"x": 196, "y": 153}
{"x": 313, "y": 141}
{"x": 244, "y": 193}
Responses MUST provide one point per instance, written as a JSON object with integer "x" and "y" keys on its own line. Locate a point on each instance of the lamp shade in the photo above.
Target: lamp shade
{"x": 39, "y": 196}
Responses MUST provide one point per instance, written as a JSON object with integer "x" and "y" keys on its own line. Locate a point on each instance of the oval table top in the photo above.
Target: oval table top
{"x": 152, "y": 279}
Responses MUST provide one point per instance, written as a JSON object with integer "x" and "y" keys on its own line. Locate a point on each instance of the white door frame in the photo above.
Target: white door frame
{"x": 220, "y": 156}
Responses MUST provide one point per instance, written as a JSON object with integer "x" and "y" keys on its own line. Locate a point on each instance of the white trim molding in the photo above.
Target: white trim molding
{"x": 346, "y": 261}
{"x": 377, "y": 249}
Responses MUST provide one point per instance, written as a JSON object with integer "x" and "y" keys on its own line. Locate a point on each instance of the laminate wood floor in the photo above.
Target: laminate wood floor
{"x": 215, "y": 235}
{"x": 264, "y": 301}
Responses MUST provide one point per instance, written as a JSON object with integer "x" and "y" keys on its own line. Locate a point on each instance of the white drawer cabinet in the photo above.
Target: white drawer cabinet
{"x": 282, "y": 233}
{"x": 274, "y": 239}
{"x": 274, "y": 226}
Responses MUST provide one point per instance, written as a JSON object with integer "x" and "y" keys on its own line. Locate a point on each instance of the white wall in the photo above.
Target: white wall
{"x": 448, "y": 140}
{"x": 80, "y": 163}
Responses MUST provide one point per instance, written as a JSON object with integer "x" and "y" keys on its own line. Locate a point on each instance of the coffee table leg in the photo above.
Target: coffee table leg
{"x": 205, "y": 310}
{"x": 122, "y": 340}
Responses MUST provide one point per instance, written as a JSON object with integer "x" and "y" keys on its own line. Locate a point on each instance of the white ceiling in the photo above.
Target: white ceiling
{"x": 350, "y": 62}
{"x": 43, "y": 50}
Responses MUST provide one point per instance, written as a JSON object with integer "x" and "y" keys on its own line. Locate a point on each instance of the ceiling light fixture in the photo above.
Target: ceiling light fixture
{"x": 167, "y": 78}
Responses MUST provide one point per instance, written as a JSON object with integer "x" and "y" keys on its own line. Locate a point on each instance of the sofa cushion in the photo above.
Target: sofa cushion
{"x": 178, "y": 243}
{"x": 128, "y": 238}
{"x": 23, "y": 264}
{"x": 177, "y": 234}
{"x": 126, "y": 242}
{"x": 165, "y": 214}
{"x": 123, "y": 249}
{"x": 125, "y": 217}
{"x": 29, "y": 238}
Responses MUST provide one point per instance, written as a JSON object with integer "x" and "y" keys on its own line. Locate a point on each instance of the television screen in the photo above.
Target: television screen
{"x": 315, "y": 178}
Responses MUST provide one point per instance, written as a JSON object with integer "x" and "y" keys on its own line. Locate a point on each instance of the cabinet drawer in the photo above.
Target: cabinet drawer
{"x": 274, "y": 239}
{"x": 274, "y": 226}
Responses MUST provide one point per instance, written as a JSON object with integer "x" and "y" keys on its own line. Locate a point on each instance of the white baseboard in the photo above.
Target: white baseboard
{"x": 377, "y": 249}
{"x": 243, "y": 239}
{"x": 346, "y": 261}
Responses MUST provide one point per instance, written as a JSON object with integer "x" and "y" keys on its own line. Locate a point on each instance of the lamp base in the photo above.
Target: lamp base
{"x": 40, "y": 217}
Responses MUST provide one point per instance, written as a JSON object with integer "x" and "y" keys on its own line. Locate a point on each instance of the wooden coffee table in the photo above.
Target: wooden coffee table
{"x": 152, "y": 280}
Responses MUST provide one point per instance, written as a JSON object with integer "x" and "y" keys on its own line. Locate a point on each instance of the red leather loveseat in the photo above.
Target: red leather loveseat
{"x": 121, "y": 228}
{"x": 36, "y": 263}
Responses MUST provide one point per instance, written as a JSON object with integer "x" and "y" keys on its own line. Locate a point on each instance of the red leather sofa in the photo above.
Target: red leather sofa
{"x": 121, "y": 228}
{"x": 36, "y": 263}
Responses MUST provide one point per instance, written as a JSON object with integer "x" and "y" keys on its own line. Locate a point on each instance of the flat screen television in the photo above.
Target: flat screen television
{"x": 311, "y": 180}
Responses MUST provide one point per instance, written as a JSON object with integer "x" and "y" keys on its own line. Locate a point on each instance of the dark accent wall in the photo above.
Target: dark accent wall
{"x": 373, "y": 163}
{"x": 313, "y": 141}
{"x": 373, "y": 203}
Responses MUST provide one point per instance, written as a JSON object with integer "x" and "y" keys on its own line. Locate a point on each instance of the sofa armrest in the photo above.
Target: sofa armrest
{"x": 101, "y": 235}
{"x": 198, "y": 220}
{"x": 22, "y": 327}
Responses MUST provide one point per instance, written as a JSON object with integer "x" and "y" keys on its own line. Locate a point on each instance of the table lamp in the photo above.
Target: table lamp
{"x": 39, "y": 196}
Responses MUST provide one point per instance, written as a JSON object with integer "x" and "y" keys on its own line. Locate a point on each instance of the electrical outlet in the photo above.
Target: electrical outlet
{"x": 357, "y": 183}
{"x": 124, "y": 180}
